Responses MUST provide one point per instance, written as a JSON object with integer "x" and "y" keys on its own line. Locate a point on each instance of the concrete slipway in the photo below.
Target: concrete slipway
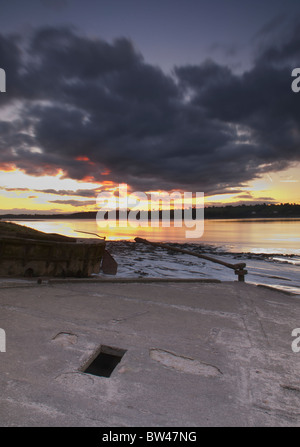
{"x": 197, "y": 354}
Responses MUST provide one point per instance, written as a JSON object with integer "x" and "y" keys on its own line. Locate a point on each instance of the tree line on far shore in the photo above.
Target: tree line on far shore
{"x": 265, "y": 210}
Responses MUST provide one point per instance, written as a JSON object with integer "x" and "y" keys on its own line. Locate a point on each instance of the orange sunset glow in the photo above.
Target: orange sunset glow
{"x": 21, "y": 192}
{"x": 83, "y": 112}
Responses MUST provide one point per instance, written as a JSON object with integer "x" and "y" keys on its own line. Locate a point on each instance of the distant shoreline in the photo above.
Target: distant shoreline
{"x": 266, "y": 211}
{"x": 58, "y": 217}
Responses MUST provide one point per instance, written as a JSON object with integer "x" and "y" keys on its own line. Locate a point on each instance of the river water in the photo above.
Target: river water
{"x": 270, "y": 248}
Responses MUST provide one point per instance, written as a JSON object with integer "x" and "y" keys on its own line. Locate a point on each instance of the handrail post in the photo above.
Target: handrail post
{"x": 241, "y": 274}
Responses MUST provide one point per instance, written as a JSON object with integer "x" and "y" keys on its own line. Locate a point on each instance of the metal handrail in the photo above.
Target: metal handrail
{"x": 94, "y": 234}
{"x": 238, "y": 268}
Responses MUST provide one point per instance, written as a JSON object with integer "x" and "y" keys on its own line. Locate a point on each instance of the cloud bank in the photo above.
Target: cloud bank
{"x": 97, "y": 111}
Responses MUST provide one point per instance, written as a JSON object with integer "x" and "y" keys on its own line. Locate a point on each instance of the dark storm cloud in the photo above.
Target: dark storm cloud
{"x": 74, "y": 202}
{"x": 91, "y": 193}
{"x": 66, "y": 192}
{"x": 92, "y": 108}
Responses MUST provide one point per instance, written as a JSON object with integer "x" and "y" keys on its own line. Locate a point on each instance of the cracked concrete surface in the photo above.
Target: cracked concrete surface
{"x": 197, "y": 354}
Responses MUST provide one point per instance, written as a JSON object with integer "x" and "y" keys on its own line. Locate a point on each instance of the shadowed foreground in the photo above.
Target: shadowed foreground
{"x": 193, "y": 354}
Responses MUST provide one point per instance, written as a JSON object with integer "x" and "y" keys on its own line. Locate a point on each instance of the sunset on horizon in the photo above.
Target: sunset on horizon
{"x": 161, "y": 96}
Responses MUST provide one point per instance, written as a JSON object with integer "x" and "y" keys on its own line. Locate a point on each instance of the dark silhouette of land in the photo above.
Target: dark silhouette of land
{"x": 283, "y": 210}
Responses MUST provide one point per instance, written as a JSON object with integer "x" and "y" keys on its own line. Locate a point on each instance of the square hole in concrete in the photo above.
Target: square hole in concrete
{"x": 105, "y": 361}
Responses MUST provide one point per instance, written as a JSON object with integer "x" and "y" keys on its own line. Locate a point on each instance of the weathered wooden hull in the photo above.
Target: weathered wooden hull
{"x": 59, "y": 258}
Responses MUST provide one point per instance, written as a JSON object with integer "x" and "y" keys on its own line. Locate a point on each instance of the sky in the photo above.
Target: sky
{"x": 168, "y": 95}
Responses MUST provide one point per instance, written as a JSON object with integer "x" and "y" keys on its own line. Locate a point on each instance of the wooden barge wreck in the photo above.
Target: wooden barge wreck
{"x": 30, "y": 253}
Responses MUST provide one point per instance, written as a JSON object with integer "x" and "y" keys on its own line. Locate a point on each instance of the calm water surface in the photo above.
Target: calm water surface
{"x": 281, "y": 236}
{"x": 270, "y": 248}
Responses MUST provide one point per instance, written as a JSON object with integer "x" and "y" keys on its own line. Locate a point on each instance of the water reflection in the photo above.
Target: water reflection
{"x": 255, "y": 235}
